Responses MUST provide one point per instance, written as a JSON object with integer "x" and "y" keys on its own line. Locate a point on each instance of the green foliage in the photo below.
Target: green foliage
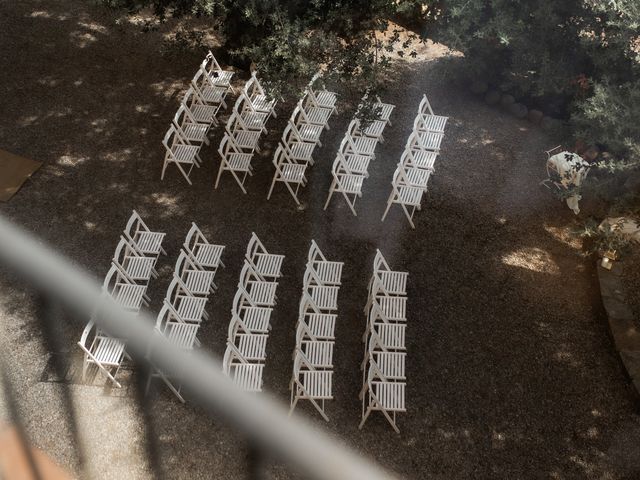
{"x": 603, "y": 238}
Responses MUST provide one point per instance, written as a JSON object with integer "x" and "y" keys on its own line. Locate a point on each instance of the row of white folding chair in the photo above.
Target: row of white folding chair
{"x": 299, "y": 139}
{"x": 185, "y": 301}
{"x": 313, "y": 356}
{"x": 132, "y": 266}
{"x": 411, "y": 177}
{"x": 250, "y": 316}
{"x": 195, "y": 116}
{"x": 384, "y": 337}
{"x": 243, "y": 130}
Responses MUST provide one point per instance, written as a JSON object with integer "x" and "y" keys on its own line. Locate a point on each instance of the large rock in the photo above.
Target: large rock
{"x": 507, "y": 100}
{"x": 479, "y": 87}
{"x": 535, "y": 116}
{"x": 492, "y": 97}
{"x": 518, "y": 110}
{"x": 551, "y": 124}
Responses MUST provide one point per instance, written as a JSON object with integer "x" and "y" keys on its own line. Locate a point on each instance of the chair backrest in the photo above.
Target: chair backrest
{"x": 123, "y": 250}
{"x": 315, "y": 253}
{"x": 211, "y": 64}
{"x": 135, "y": 224}
{"x": 194, "y": 237}
{"x": 254, "y": 246}
{"x": 176, "y": 288}
{"x": 425, "y": 106}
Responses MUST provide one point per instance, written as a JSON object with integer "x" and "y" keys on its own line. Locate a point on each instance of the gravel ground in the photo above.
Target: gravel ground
{"x": 511, "y": 373}
{"x": 631, "y": 280}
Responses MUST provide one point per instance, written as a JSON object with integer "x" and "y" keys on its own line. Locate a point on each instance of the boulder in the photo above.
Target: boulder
{"x": 506, "y": 100}
{"x": 535, "y": 116}
{"x": 518, "y": 110}
{"x": 492, "y": 97}
{"x": 479, "y": 87}
{"x": 551, "y": 124}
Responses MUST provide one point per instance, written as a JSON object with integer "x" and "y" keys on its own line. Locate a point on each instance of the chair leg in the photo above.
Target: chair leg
{"x": 273, "y": 182}
{"x": 330, "y": 194}
{"x": 220, "y": 170}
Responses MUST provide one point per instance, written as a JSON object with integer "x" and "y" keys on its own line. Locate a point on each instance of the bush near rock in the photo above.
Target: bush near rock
{"x": 492, "y": 97}
{"x": 591, "y": 153}
{"x": 506, "y": 100}
{"x": 518, "y": 110}
{"x": 535, "y": 116}
{"x": 478, "y": 87}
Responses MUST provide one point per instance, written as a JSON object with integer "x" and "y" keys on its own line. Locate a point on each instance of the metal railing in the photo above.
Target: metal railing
{"x": 264, "y": 422}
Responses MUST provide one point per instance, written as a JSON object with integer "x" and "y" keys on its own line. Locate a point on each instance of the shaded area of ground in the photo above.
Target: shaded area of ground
{"x": 511, "y": 372}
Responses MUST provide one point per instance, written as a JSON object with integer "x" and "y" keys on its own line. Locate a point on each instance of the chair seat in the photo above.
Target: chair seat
{"x": 261, "y": 103}
{"x": 262, "y": 293}
{"x": 321, "y": 325}
{"x": 253, "y": 347}
{"x": 301, "y": 150}
{"x": 329, "y": 273}
{"x": 182, "y": 335}
{"x": 239, "y": 162}
{"x": 391, "y": 365}
{"x": 195, "y": 131}
{"x": 434, "y": 123}
{"x": 309, "y": 132}
{"x": 385, "y": 111}
{"x": 357, "y": 164}
{"x": 317, "y": 384}
{"x": 198, "y": 282}
{"x": 247, "y": 376}
{"x": 423, "y": 158}
{"x": 364, "y": 145}
{"x": 392, "y": 335}
{"x": 418, "y": 177}
{"x": 185, "y": 153}
{"x": 325, "y": 98}
{"x": 149, "y": 242}
{"x": 208, "y": 255}
{"x": 319, "y": 353}
{"x": 394, "y": 283}
{"x": 204, "y": 113}
{"x": 430, "y": 140}
{"x": 221, "y": 78}
{"x": 325, "y": 297}
{"x": 389, "y": 395}
{"x": 318, "y": 116}
{"x": 268, "y": 265}
{"x": 254, "y": 120}
{"x": 292, "y": 172}
{"x": 190, "y": 309}
{"x": 350, "y": 183}
{"x": 375, "y": 129}
{"x": 107, "y": 351}
{"x": 129, "y": 296}
{"x": 139, "y": 268}
{"x": 408, "y": 195}
{"x": 256, "y": 319}
{"x": 393, "y": 307}
{"x": 213, "y": 95}
{"x": 246, "y": 139}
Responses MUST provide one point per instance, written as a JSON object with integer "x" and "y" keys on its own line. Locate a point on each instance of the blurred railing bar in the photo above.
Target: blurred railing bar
{"x": 262, "y": 420}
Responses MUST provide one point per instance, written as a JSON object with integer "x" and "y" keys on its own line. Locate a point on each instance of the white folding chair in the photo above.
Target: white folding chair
{"x": 297, "y": 149}
{"x": 197, "y": 280}
{"x": 246, "y": 375}
{"x": 385, "y": 110}
{"x": 389, "y": 282}
{"x": 103, "y": 351}
{"x": 218, "y": 76}
{"x": 133, "y": 263}
{"x": 288, "y": 172}
{"x": 249, "y": 318}
{"x": 205, "y": 254}
{"x": 234, "y": 160}
{"x": 320, "y": 97}
{"x": 327, "y": 272}
{"x": 359, "y": 144}
{"x": 346, "y": 184}
{"x": 252, "y": 119}
{"x": 310, "y": 384}
{"x": 266, "y": 265}
{"x": 312, "y": 323}
{"x": 207, "y": 90}
{"x": 324, "y": 296}
{"x": 419, "y": 159}
{"x": 258, "y": 96}
{"x": 386, "y": 397}
{"x": 352, "y": 163}
{"x": 179, "y": 151}
{"x": 307, "y": 132}
{"x": 201, "y": 111}
{"x": 193, "y": 132}
{"x": 142, "y": 238}
{"x": 188, "y": 307}
{"x": 408, "y": 197}
{"x": 260, "y": 293}
{"x": 428, "y": 121}
{"x": 123, "y": 290}
{"x": 429, "y": 141}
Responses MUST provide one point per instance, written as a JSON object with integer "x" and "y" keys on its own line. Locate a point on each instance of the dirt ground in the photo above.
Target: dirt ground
{"x": 511, "y": 373}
